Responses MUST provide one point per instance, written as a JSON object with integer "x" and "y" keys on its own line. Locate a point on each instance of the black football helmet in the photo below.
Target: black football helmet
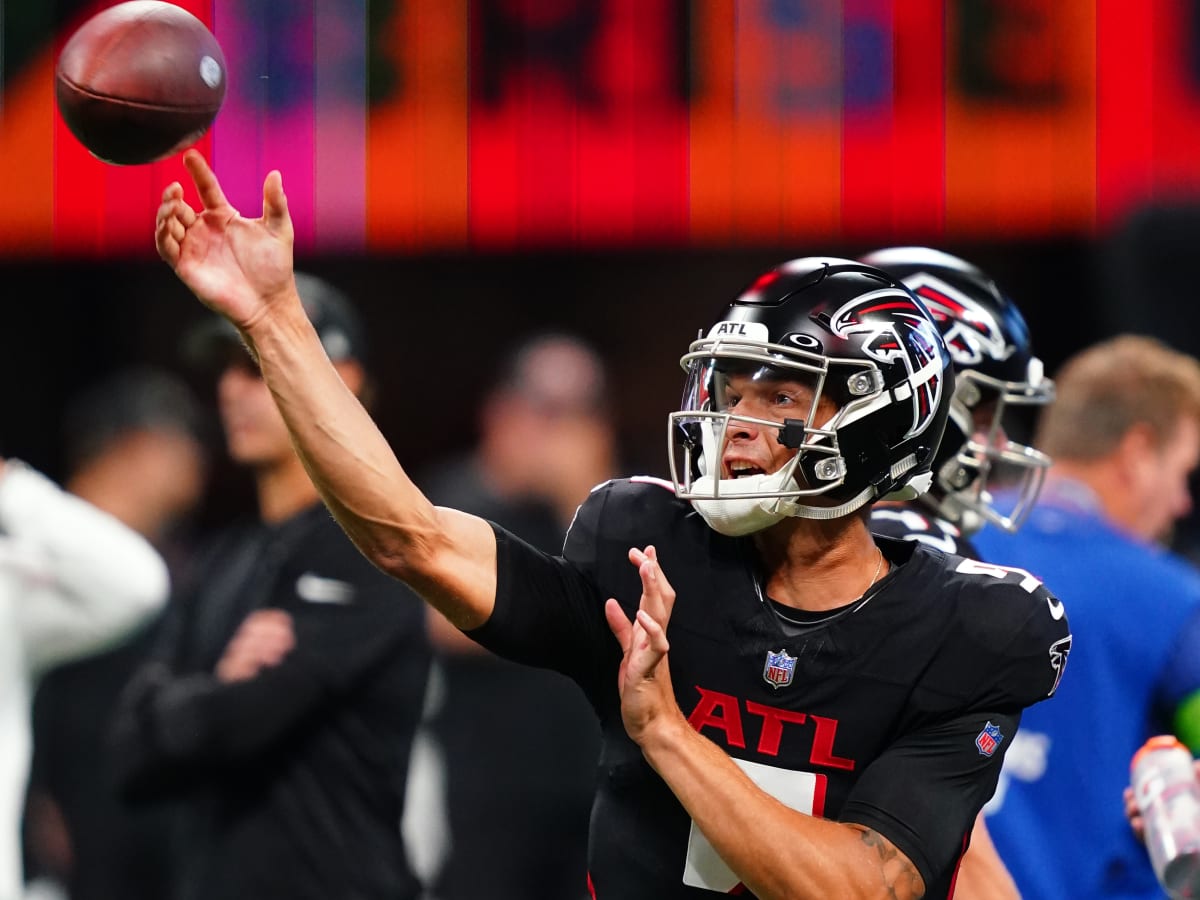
{"x": 856, "y": 336}
{"x": 980, "y": 473}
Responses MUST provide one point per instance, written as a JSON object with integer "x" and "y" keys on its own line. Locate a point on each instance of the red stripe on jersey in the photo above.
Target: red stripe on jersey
{"x": 818, "y": 801}
{"x": 958, "y": 866}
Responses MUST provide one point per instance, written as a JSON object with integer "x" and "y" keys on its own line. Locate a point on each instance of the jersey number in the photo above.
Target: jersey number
{"x": 801, "y": 791}
{"x": 975, "y": 567}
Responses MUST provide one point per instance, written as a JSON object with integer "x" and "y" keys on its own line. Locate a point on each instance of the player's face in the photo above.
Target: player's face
{"x": 983, "y": 417}
{"x": 255, "y": 432}
{"x": 752, "y": 448}
{"x": 1165, "y": 496}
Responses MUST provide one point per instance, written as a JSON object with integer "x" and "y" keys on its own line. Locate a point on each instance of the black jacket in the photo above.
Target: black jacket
{"x": 290, "y": 784}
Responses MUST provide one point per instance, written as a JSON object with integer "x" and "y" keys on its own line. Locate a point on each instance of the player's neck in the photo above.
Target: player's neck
{"x": 817, "y": 566}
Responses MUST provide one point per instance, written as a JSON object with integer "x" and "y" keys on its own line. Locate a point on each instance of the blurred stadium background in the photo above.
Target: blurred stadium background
{"x": 472, "y": 170}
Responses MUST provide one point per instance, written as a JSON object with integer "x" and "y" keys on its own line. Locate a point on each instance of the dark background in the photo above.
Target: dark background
{"x": 440, "y": 324}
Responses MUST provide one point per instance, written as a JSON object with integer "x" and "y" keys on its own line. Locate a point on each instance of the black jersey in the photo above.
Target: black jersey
{"x": 894, "y": 713}
{"x": 909, "y": 522}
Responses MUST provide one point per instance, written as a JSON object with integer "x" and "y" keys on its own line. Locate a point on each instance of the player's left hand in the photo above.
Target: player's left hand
{"x": 644, "y": 679}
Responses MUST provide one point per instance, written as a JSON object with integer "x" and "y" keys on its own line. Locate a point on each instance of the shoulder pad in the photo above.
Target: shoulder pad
{"x": 909, "y": 524}
{"x": 630, "y": 512}
{"x": 1016, "y": 625}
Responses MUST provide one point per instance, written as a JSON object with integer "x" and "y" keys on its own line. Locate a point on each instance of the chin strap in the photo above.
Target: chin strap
{"x": 824, "y": 513}
{"x": 731, "y": 513}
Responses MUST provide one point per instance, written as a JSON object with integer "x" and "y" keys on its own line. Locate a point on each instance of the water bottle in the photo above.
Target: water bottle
{"x": 1168, "y": 796}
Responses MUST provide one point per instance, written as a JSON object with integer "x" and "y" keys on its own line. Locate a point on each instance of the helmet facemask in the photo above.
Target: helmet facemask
{"x": 982, "y": 474}
{"x": 736, "y": 504}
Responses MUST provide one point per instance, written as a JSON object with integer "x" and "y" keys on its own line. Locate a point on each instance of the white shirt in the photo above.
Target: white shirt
{"x": 73, "y": 581}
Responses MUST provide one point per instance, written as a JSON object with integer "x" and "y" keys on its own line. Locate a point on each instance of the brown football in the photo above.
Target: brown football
{"x": 140, "y": 81}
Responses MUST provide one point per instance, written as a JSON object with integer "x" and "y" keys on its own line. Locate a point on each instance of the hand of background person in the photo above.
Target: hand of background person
{"x": 644, "y": 678}
{"x": 1134, "y": 815}
{"x": 238, "y": 267}
{"x": 262, "y": 640}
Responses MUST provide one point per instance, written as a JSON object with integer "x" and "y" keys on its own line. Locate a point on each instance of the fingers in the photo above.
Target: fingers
{"x": 174, "y": 218}
{"x": 648, "y": 647}
{"x": 167, "y": 246}
{"x": 206, "y": 182}
{"x": 656, "y": 636}
{"x": 643, "y": 642}
{"x": 275, "y": 209}
{"x": 646, "y": 637}
{"x": 1133, "y": 814}
{"x": 658, "y": 597}
{"x": 263, "y": 640}
{"x": 618, "y": 624}
{"x": 268, "y": 634}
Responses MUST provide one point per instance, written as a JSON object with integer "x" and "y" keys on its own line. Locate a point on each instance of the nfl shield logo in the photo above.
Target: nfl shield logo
{"x": 989, "y": 739}
{"x": 779, "y": 669}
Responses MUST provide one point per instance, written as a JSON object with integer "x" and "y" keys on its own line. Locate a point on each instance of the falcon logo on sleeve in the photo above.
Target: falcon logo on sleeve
{"x": 1059, "y": 651}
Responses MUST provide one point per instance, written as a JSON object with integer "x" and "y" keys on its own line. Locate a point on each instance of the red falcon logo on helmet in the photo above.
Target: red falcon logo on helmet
{"x": 970, "y": 331}
{"x": 897, "y": 328}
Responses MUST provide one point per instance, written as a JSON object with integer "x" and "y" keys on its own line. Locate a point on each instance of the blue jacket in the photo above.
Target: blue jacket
{"x": 1058, "y": 816}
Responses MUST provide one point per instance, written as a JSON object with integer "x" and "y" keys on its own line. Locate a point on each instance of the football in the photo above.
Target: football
{"x": 140, "y": 81}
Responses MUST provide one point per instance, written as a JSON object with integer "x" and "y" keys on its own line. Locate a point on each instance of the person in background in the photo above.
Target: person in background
{"x": 73, "y": 581}
{"x": 135, "y": 447}
{"x": 1124, "y": 433}
{"x": 518, "y": 814}
{"x": 979, "y": 464}
{"x": 995, "y": 372}
{"x": 279, "y": 705}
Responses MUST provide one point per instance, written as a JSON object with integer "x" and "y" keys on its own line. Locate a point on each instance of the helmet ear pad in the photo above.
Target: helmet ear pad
{"x": 867, "y": 449}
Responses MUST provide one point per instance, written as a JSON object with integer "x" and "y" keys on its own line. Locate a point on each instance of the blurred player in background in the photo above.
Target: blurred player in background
{"x": 845, "y": 720}
{"x": 518, "y": 814}
{"x": 995, "y": 370}
{"x": 1124, "y": 433}
{"x": 280, "y": 704}
{"x": 73, "y": 581}
{"x": 996, "y": 375}
{"x": 134, "y": 446}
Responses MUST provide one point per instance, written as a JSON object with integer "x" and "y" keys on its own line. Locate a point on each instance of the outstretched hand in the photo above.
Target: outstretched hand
{"x": 644, "y": 678}
{"x": 236, "y": 266}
